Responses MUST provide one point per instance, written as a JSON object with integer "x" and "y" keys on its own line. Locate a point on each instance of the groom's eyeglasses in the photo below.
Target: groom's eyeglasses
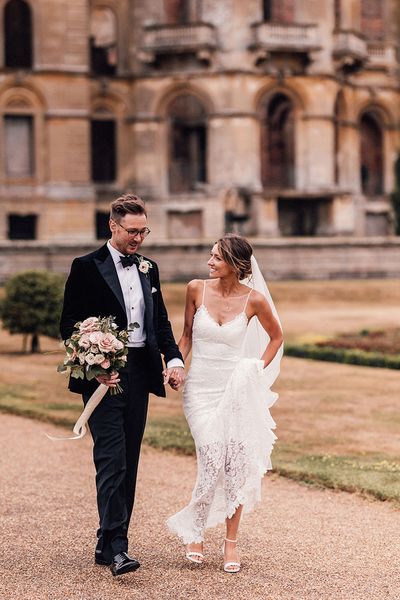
{"x": 134, "y": 232}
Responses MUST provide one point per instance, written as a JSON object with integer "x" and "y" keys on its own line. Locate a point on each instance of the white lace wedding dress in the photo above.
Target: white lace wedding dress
{"x": 226, "y": 402}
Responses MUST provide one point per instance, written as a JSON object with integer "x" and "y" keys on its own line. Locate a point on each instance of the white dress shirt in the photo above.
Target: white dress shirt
{"x": 131, "y": 286}
{"x": 133, "y": 297}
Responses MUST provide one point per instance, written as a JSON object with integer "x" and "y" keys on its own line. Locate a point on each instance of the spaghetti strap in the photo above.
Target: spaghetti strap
{"x": 247, "y": 299}
{"x": 204, "y": 292}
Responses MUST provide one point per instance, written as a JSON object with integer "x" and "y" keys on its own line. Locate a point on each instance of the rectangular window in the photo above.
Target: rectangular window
{"x": 103, "y": 143}
{"x": 267, "y": 10}
{"x": 22, "y": 227}
{"x": 102, "y": 226}
{"x": 19, "y": 147}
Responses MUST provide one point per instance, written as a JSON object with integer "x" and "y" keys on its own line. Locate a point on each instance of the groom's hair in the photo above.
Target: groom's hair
{"x": 127, "y": 204}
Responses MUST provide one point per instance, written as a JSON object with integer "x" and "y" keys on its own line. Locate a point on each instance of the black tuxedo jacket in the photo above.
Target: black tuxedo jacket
{"x": 93, "y": 289}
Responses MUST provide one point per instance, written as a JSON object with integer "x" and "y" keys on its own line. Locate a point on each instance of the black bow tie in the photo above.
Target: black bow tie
{"x": 128, "y": 261}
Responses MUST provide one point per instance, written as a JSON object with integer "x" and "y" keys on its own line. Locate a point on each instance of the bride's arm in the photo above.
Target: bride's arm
{"x": 262, "y": 310}
{"x": 192, "y": 293}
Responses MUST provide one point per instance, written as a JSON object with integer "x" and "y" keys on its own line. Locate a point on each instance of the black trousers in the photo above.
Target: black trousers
{"x": 117, "y": 427}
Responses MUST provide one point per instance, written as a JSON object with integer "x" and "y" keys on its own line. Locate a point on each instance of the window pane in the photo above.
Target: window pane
{"x": 103, "y": 41}
{"x": 19, "y": 158}
{"x": 188, "y": 144}
{"x": 103, "y": 150}
{"x": 102, "y": 226}
{"x": 22, "y": 227}
{"x": 18, "y": 34}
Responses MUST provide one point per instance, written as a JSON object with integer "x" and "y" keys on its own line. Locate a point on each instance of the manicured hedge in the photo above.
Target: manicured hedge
{"x": 341, "y": 355}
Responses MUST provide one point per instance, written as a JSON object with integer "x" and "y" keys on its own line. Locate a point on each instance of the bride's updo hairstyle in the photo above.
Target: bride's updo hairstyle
{"x": 236, "y": 251}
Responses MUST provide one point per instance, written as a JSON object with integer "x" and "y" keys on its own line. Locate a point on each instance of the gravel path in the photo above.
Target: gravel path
{"x": 301, "y": 543}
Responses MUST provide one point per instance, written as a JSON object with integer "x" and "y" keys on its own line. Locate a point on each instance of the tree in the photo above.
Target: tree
{"x": 396, "y": 196}
{"x": 32, "y": 305}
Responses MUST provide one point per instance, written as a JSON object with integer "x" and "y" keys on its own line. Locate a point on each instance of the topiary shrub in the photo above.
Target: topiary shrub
{"x": 32, "y": 305}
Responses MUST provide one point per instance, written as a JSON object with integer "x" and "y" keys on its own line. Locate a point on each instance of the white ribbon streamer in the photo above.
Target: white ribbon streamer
{"x": 80, "y": 426}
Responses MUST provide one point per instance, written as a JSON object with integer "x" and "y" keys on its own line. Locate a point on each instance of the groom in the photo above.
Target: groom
{"x": 115, "y": 280}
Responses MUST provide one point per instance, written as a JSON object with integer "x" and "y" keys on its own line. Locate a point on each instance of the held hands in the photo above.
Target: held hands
{"x": 175, "y": 377}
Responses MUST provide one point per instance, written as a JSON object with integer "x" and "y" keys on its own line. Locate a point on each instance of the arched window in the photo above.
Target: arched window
{"x": 104, "y": 149}
{"x": 277, "y": 143}
{"x": 371, "y": 152}
{"x": 373, "y": 19}
{"x": 338, "y": 118}
{"x": 18, "y": 35}
{"x": 187, "y": 143}
{"x": 103, "y": 41}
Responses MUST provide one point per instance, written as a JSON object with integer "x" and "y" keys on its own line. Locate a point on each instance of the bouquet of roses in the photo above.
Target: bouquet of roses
{"x": 96, "y": 347}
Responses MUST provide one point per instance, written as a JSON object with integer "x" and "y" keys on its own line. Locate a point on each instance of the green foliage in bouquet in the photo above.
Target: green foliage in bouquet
{"x": 32, "y": 305}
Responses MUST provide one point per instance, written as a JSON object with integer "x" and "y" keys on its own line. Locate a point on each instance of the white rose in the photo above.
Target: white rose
{"x": 144, "y": 266}
{"x": 89, "y": 358}
{"x": 98, "y": 359}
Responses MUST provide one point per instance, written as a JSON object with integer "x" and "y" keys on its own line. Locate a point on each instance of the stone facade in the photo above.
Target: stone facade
{"x": 275, "y": 119}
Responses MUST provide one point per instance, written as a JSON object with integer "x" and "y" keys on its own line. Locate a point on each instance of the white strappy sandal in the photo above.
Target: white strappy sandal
{"x": 195, "y": 557}
{"x": 230, "y": 566}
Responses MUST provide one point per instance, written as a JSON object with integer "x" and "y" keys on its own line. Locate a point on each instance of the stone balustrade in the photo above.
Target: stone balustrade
{"x": 381, "y": 55}
{"x": 286, "y": 37}
{"x": 159, "y": 39}
{"x": 350, "y": 43}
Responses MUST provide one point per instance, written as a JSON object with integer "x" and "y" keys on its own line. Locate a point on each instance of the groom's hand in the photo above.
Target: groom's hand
{"x": 110, "y": 380}
{"x": 175, "y": 376}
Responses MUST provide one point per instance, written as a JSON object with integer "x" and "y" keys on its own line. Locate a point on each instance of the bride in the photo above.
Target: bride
{"x": 234, "y": 332}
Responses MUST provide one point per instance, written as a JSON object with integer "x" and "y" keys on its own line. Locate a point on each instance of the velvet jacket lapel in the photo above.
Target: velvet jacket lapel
{"x": 148, "y": 301}
{"x": 105, "y": 265}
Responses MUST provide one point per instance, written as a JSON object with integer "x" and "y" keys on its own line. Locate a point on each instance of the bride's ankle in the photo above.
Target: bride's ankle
{"x": 230, "y": 541}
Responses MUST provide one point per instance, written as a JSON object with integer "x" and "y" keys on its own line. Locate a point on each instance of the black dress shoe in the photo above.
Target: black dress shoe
{"x": 122, "y": 563}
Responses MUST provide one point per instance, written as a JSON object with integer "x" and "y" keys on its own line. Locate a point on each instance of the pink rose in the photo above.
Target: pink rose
{"x": 84, "y": 341}
{"x": 106, "y": 364}
{"x": 89, "y": 325}
{"x": 106, "y": 344}
{"x": 95, "y": 337}
{"x": 118, "y": 345}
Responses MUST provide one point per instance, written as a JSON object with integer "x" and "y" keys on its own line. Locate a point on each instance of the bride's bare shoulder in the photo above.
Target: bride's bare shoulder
{"x": 257, "y": 299}
{"x": 194, "y": 286}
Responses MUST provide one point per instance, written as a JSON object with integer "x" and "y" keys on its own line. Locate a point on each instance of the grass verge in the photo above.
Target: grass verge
{"x": 343, "y": 355}
{"x": 370, "y": 474}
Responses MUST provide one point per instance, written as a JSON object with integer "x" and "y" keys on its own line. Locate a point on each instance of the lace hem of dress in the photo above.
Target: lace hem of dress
{"x": 233, "y": 454}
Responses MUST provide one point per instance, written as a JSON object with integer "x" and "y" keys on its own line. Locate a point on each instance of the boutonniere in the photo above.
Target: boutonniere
{"x": 144, "y": 265}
